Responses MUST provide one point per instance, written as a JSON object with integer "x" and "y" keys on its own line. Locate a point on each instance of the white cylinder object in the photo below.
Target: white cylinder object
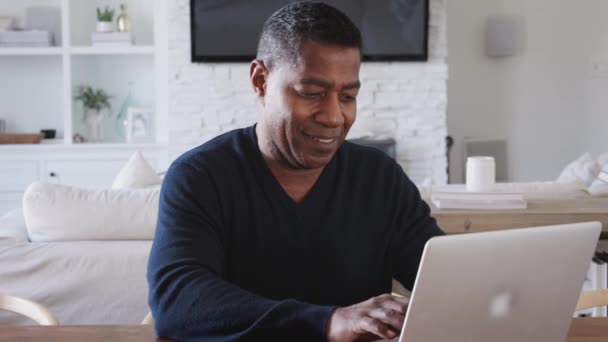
{"x": 481, "y": 174}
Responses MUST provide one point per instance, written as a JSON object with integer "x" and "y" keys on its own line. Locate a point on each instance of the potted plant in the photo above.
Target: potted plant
{"x": 96, "y": 103}
{"x": 104, "y": 19}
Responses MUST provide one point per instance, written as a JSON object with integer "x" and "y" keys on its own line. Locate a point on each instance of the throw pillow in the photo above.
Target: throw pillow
{"x": 602, "y": 159}
{"x": 55, "y": 212}
{"x": 137, "y": 173}
{"x": 599, "y": 187}
{"x": 583, "y": 170}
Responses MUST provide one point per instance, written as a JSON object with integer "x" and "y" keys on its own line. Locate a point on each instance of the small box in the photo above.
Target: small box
{"x": 112, "y": 38}
{"x": 26, "y": 38}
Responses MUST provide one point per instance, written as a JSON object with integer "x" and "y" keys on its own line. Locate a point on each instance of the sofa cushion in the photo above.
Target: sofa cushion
{"x": 58, "y": 212}
{"x": 137, "y": 173}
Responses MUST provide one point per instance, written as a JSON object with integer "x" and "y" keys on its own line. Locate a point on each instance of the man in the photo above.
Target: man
{"x": 283, "y": 231}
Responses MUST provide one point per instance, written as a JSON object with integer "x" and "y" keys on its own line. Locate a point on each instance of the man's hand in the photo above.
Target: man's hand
{"x": 377, "y": 318}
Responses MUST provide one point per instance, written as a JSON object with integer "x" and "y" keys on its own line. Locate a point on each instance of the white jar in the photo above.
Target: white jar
{"x": 481, "y": 174}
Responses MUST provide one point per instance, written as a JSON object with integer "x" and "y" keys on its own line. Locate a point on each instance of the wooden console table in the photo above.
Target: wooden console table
{"x": 539, "y": 213}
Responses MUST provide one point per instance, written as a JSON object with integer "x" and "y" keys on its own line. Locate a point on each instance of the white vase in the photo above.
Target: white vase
{"x": 93, "y": 120}
{"x": 105, "y": 26}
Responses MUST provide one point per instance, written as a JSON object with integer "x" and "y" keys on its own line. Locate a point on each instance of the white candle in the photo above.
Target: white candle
{"x": 481, "y": 174}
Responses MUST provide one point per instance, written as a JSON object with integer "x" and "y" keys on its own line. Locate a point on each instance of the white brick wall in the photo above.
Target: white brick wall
{"x": 406, "y": 101}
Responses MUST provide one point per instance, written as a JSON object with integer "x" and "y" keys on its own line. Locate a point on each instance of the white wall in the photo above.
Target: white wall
{"x": 406, "y": 101}
{"x": 542, "y": 100}
{"x": 596, "y": 141}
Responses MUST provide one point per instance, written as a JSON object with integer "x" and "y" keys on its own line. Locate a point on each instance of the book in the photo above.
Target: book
{"x": 480, "y": 201}
{"x": 24, "y": 38}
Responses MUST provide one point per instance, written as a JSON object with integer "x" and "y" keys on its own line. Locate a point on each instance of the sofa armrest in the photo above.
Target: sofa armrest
{"x": 12, "y": 226}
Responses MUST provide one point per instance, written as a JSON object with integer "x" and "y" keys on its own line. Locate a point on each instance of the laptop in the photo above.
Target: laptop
{"x": 517, "y": 285}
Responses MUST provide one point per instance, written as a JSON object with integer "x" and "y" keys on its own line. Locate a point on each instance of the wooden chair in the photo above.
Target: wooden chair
{"x": 592, "y": 299}
{"x": 27, "y": 308}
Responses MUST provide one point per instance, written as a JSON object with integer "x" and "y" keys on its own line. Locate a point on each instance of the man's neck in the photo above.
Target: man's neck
{"x": 297, "y": 183}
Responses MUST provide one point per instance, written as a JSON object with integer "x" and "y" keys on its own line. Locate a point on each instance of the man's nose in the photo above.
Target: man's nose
{"x": 330, "y": 114}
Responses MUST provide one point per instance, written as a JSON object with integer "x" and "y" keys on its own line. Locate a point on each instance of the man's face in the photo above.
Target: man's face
{"x": 309, "y": 107}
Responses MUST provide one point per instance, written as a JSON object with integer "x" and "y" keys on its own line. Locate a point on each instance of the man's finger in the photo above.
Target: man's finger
{"x": 377, "y": 328}
{"x": 395, "y": 305}
{"x": 393, "y": 319}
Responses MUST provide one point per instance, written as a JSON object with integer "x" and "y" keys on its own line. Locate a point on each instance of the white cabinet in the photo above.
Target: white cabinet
{"x": 9, "y": 201}
{"x": 16, "y": 175}
{"x": 82, "y": 173}
{"x": 86, "y": 172}
{"x": 82, "y": 166}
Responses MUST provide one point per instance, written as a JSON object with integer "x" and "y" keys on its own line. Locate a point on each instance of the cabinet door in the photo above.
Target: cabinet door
{"x": 82, "y": 173}
{"x": 16, "y": 175}
{"x": 9, "y": 201}
{"x": 94, "y": 174}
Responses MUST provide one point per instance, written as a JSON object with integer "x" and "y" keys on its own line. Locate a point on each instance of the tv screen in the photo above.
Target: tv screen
{"x": 228, "y": 30}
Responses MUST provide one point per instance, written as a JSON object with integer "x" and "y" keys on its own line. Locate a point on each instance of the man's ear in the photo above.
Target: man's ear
{"x": 258, "y": 75}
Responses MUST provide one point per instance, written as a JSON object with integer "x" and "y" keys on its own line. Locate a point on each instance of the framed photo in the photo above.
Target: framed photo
{"x": 140, "y": 125}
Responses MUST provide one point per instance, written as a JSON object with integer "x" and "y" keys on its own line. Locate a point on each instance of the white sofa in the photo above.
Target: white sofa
{"x": 81, "y": 282}
{"x": 83, "y": 253}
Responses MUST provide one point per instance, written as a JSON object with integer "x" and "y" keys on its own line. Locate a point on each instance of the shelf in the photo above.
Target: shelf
{"x": 31, "y": 51}
{"x": 112, "y": 50}
{"x": 78, "y": 50}
{"x": 81, "y": 146}
{"x": 54, "y": 141}
{"x": 117, "y": 145}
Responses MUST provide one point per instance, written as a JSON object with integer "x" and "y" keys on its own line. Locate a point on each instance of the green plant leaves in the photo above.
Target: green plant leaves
{"x": 96, "y": 99}
{"x": 106, "y": 15}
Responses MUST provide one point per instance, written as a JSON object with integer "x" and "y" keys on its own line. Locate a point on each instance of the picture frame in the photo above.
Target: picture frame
{"x": 140, "y": 125}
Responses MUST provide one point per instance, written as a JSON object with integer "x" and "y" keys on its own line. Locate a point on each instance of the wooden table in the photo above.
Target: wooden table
{"x": 581, "y": 330}
{"x": 539, "y": 213}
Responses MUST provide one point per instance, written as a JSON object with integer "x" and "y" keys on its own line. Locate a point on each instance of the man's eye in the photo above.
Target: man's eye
{"x": 348, "y": 98}
{"x": 310, "y": 95}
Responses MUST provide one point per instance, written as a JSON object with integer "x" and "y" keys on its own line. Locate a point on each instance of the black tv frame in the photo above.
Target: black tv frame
{"x": 375, "y": 58}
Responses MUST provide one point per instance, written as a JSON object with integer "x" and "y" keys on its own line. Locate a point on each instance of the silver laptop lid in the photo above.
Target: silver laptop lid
{"x": 516, "y": 285}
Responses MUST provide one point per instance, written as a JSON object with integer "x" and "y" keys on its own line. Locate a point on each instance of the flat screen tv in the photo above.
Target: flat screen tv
{"x": 228, "y": 30}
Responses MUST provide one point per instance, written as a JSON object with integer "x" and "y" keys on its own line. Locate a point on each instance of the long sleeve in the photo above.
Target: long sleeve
{"x": 189, "y": 298}
{"x": 414, "y": 226}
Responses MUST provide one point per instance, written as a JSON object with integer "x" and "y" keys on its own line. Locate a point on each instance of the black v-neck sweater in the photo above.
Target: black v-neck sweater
{"x": 235, "y": 258}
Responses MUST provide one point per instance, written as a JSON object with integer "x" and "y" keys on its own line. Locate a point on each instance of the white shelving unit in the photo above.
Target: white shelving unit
{"x": 96, "y": 50}
{"x": 45, "y": 51}
{"x": 48, "y": 73}
{"x": 38, "y": 85}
